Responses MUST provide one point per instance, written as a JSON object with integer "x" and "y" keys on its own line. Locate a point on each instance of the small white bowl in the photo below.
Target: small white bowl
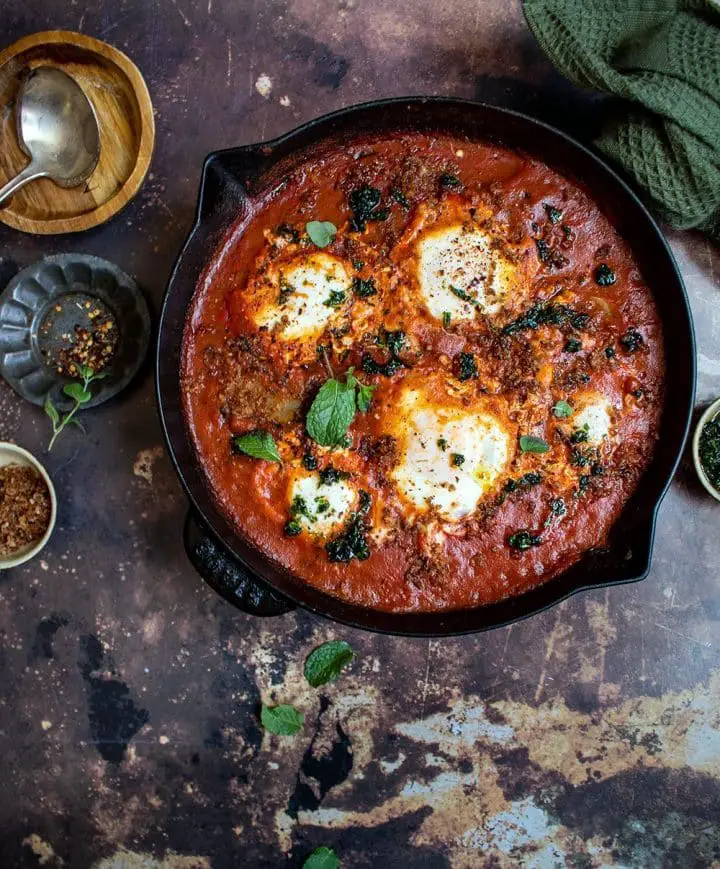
{"x": 710, "y": 413}
{"x": 11, "y": 454}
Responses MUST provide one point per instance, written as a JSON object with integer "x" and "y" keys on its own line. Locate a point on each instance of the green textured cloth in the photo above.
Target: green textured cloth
{"x": 662, "y": 59}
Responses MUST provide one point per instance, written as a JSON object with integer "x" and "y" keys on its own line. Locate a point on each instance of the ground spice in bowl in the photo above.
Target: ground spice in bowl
{"x": 25, "y": 507}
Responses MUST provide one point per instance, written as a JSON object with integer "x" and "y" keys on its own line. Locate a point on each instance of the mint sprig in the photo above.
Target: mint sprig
{"x": 333, "y": 409}
{"x": 80, "y": 393}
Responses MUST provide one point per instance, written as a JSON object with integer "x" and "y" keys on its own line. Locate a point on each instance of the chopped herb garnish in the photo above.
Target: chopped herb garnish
{"x": 511, "y": 485}
{"x": 325, "y": 663}
{"x": 331, "y": 475}
{"x": 363, "y": 289}
{"x": 548, "y": 256}
{"x": 461, "y": 294}
{"x": 604, "y": 275}
{"x": 609, "y": 352}
{"x": 532, "y": 444}
{"x": 578, "y": 459}
{"x": 357, "y": 264}
{"x": 363, "y": 202}
{"x": 523, "y": 540}
{"x": 310, "y": 462}
{"x": 292, "y": 528}
{"x": 584, "y": 482}
{"x": 597, "y": 469}
{"x": 322, "y": 505}
{"x": 446, "y": 319}
{"x": 580, "y": 435}
{"x": 352, "y": 543}
{"x": 288, "y": 232}
{"x": 467, "y": 367}
{"x": 335, "y": 299}
{"x": 548, "y": 315}
{"x": 632, "y": 340}
{"x": 562, "y": 410}
{"x": 457, "y": 459}
{"x": 321, "y": 232}
{"x": 257, "y": 444}
{"x": 442, "y": 443}
{"x": 394, "y": 341}
{"x": 532, "y": 478}
{"x": 299, "y": 507}
{"x": 554, "y": 214}
{"x": 557, "y": 507}
{"x": 572, "y": 345}
{"x": 392, "y": 366}
{"x": 400, "y": 197}
{"x": 448, "y": 181}
{"x": 286, "y": 290}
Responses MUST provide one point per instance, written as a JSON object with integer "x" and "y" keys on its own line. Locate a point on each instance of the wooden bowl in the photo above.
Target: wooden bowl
{"x": 124, "y": 111}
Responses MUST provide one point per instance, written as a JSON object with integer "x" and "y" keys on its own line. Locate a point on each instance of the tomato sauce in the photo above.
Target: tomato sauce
{"x": 586, "y": 323}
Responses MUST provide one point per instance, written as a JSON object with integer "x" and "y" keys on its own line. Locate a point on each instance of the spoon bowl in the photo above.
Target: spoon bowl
{"x": 57, "y": 129}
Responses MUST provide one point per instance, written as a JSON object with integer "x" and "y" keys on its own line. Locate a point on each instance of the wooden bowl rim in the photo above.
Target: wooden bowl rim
{"x": 146, "y": 143}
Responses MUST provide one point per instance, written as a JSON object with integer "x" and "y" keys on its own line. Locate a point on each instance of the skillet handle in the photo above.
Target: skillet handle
{"x": 226, "y": 575}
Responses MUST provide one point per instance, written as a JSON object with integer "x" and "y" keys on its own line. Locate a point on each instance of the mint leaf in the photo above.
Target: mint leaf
{"x": 258, "y": 444}
{"x": 364, "y": 393}
{"x": 364, "y": 397}
{"x": 322, "y": 858}
{"x": 86, "y": 371}
{"x": 562, "y": 410}
{"x": 77, "y": 392}
{"x": 325, "y": 663}
{"x": 532, "y": 444}
{"x": 284, "y": 720}
{"x": 51, "y": 411}
{"x": 332, "y": 411}
{"x": 321, "y": 232}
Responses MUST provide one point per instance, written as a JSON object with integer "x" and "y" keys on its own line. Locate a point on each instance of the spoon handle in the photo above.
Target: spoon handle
{"x": 29, "y": 173}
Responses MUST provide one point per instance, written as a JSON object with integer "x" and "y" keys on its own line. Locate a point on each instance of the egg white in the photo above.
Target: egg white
{"x": 428, "y": 437}
{"x": 295, "y": 306}
{"x": 463, "y": 257}
{"x": 592, "y": 415}
{"x": 328, "y": 504}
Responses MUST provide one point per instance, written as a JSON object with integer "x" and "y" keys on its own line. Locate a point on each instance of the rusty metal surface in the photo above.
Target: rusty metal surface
{"x": 586, "y": 737}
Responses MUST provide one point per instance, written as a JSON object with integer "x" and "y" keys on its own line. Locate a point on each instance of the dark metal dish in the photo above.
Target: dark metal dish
{"x": 230, "y": 181}
{"x": 40, "y": 308}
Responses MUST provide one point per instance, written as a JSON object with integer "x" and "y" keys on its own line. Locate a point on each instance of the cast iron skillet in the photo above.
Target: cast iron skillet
{"x": 231, "y": 178}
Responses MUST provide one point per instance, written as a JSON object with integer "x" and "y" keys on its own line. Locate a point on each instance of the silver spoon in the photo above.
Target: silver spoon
{"x": 57, "y": 129}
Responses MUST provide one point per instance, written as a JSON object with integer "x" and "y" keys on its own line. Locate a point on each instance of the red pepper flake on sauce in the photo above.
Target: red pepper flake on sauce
{"x": 24, "y": 508}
